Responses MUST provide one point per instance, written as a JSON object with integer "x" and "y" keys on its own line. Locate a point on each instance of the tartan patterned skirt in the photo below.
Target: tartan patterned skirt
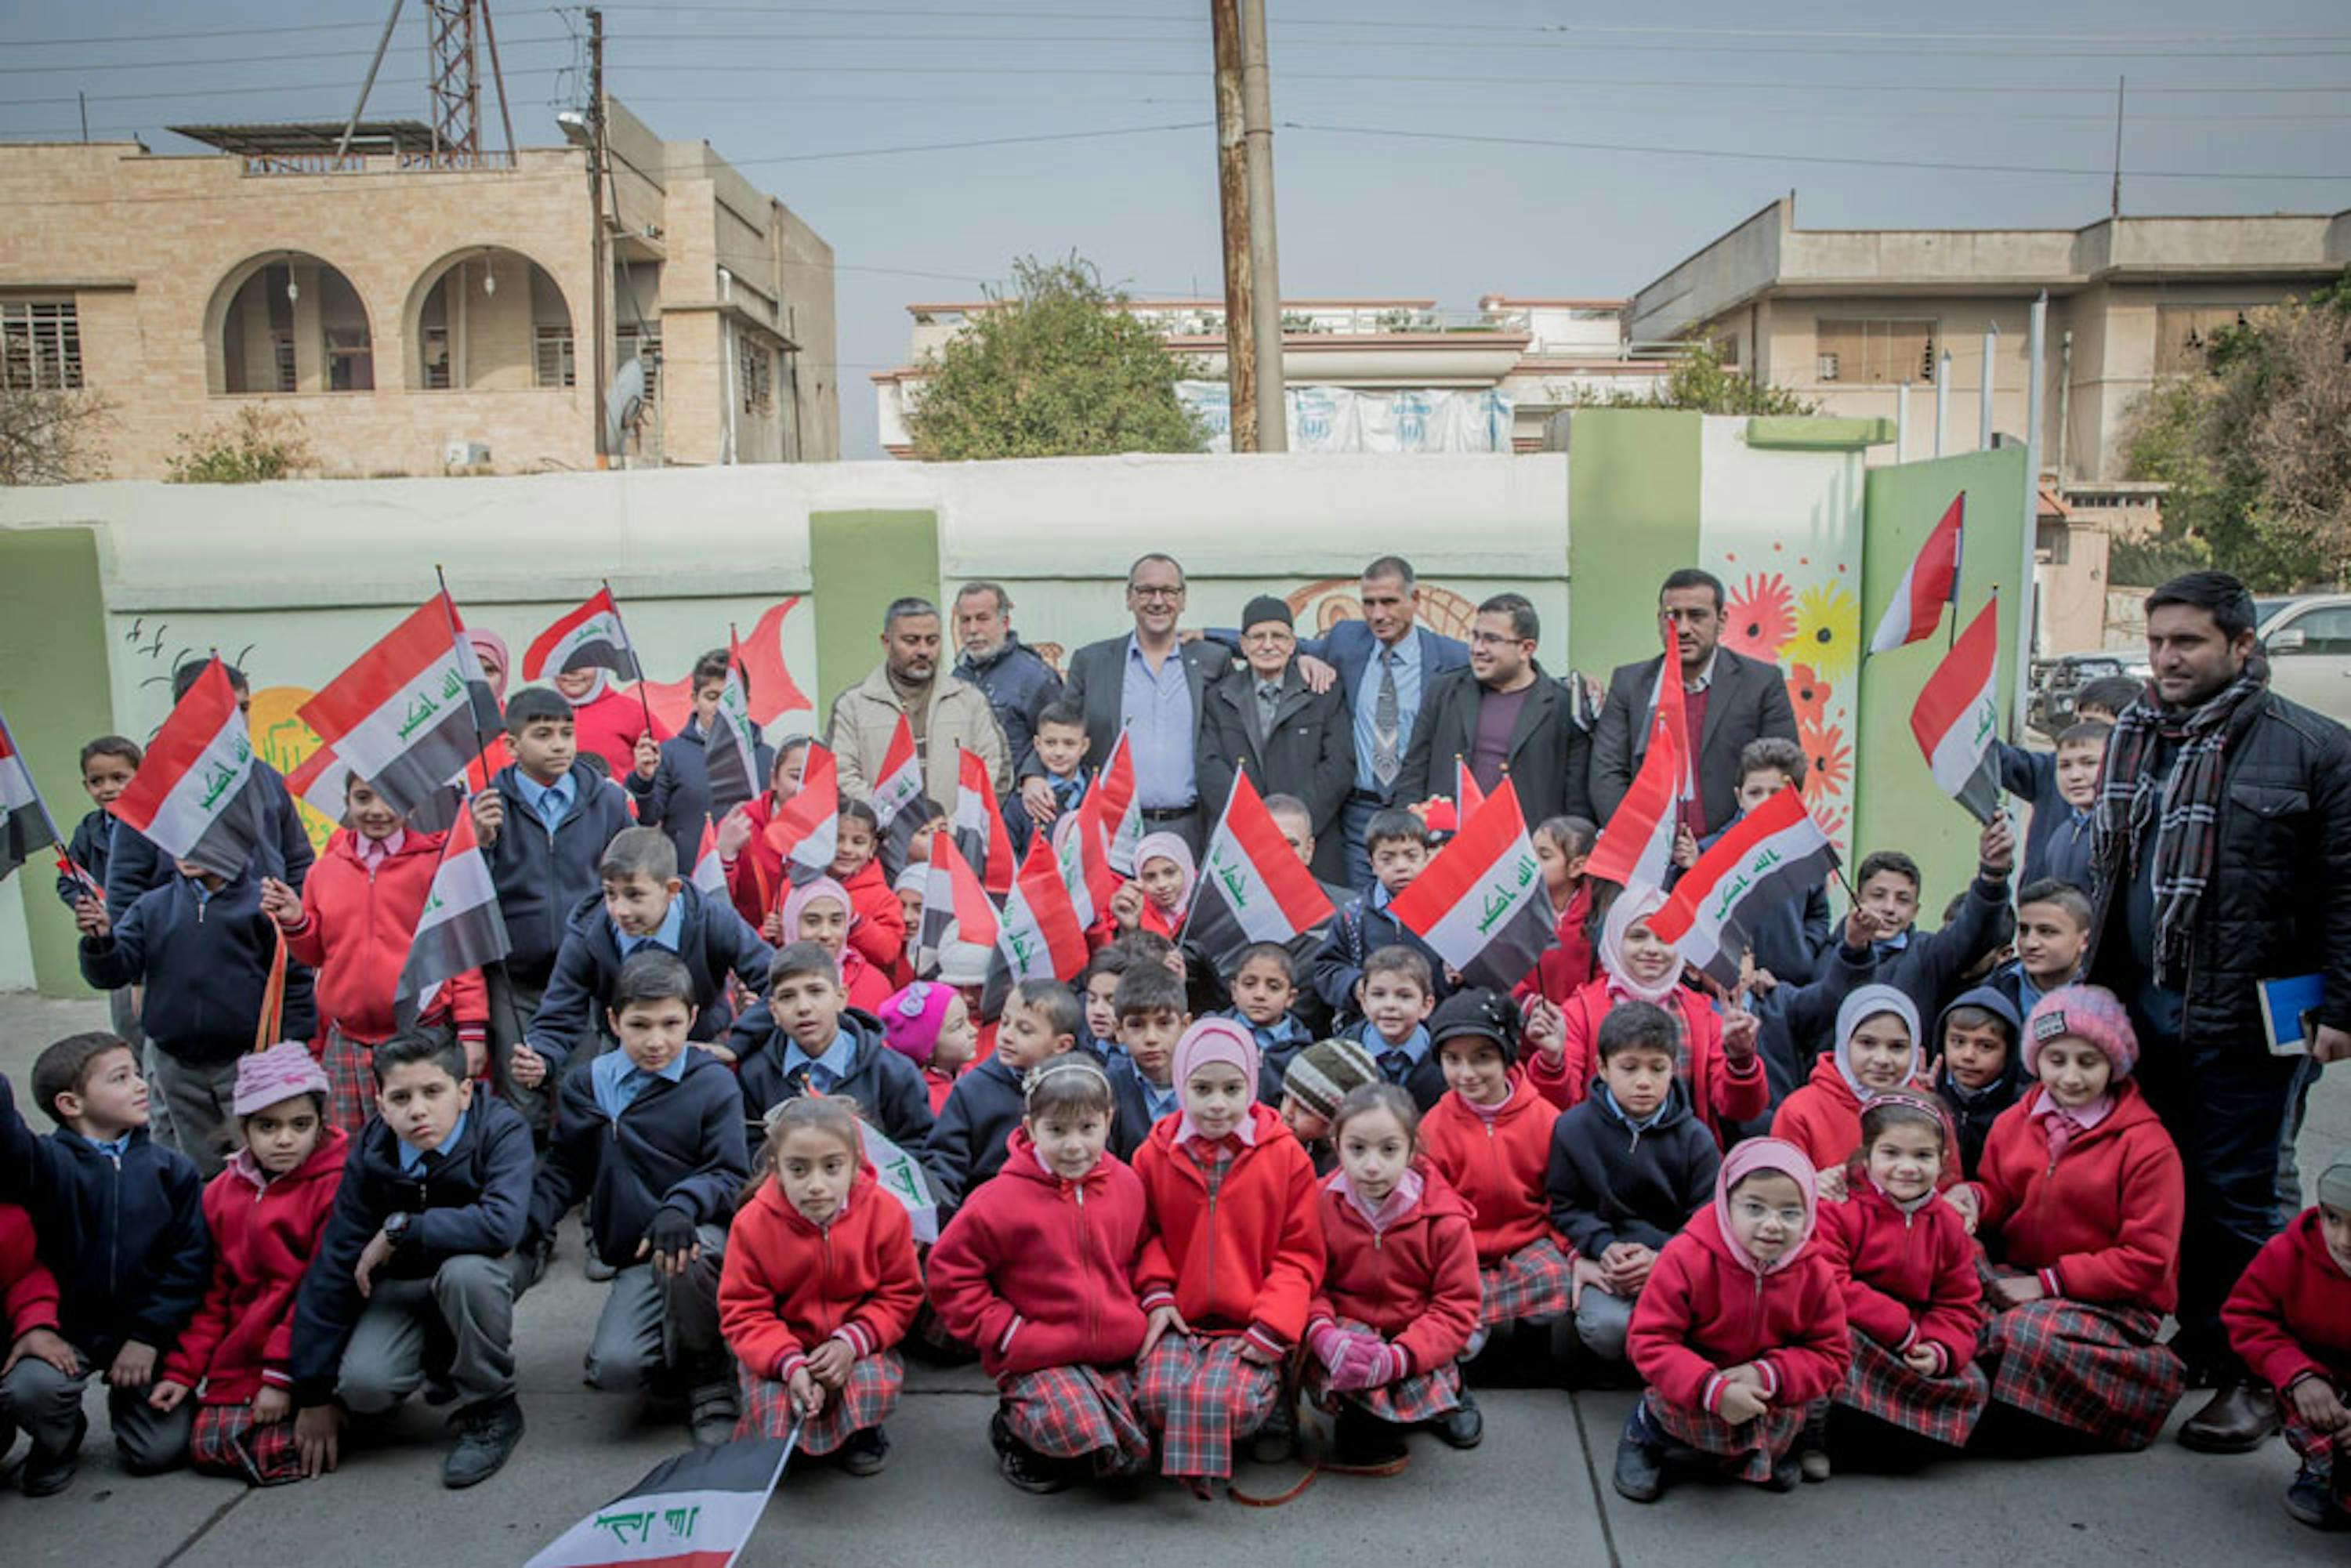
{"x": 865, "y": 1400}
{"x": 1756, "y": 1443}
{"x": 1075, "y": 1412}
{"x": 1407, "y": 1402}
{"x": 2314, "y": 1447}
{"x": 227, "y": 1441}
{"x": 2093, "y": 1368}
{"x": 1200, "y": 1395}
{"x": 350, "y": 1066}
{"x": 1881, "y": 1385}
{"x": 1532, "y": 1282}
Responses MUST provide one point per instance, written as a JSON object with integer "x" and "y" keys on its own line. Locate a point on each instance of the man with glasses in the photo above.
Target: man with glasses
{"x": 1504, "y": 716}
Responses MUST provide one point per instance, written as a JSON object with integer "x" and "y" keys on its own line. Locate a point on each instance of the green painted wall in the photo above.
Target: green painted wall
{"x": 1632, "y": 518}
{"x": 1897, "y": 803}
{"x": 863, "y": 560}
{"x": 53, "y": 687}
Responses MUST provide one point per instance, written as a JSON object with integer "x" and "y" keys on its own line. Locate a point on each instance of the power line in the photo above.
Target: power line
{"x": 304, "y": 57}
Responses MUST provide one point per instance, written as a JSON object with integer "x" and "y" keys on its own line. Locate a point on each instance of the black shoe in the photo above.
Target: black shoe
{"x": 1640, "y": 1464}
{"x": 2240, "y": 1418}
{"x": 486, "y": 1435}
{"x": 1021, "y": 1465}
{"x": 440, "y": 1391}
{"x": 712, "y": 1413}
{"x": 1359, "y": 1438}
{"x": 2311, "y": 1500}
{"x": 1787, "y": 1471}
{"x": 866, "y": 1452}
{"x": 1276, "y": 1442}
{"x": 49, "y": 1471}
{"x": 1464, "y": 1428}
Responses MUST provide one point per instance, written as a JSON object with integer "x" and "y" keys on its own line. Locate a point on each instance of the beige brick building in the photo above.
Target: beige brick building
{"x": 417, "y": 318}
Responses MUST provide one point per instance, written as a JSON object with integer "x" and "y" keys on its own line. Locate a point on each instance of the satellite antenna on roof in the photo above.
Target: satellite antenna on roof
{"x": 452, "y": 28}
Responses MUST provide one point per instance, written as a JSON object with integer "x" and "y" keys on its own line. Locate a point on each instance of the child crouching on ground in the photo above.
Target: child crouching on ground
{"x": 1399, "y": 1298}
{"x": 1739, "y": 1326}
{"x": 1877, "y": 1050}
{"x": 2289, "y": 1320}
{"x": 267, "y": 1213}
{"x": 930, "y": 1025}
{"x": 1234, "y": 1260}
{"x": 1317, "y": 1080}
{"x": 1038, "y": 1270}
{"x": 819, "y": 1288}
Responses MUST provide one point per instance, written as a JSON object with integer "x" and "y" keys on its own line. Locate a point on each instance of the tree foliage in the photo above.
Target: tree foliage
{"x": 2256, "y": 450}
{"x": 259, "y": 444}
{"x": 1701, "y": 382}
{"x": 51, "y": 437}
{"x": 1056, "y": 369}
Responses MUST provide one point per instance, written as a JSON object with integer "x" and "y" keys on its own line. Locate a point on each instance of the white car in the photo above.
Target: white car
{"x": 2309, "y": 643}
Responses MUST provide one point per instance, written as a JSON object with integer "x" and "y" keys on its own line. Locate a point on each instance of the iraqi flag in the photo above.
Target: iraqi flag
{"x": 1773, "y": 854}
{"x": 1931, "y": 582}
{"x": 730, "y": 749}
{"x": 460, "y": 929}
{"x": 900, "y": 1174}
{"x": 321, "y": 782}
{"x": 412, "y": 713}
{"x": 1111, "y": 804}
{"x": 588, "y": 637}
{"x": 1252, "y": 886}
{"x": 1040, "y": 937}
{"x": 806, "y": 828}
{"x": 956, "y": 908}
{"x": 897, "y": 799}
{"x": 1480, "y": 904}
{"x": 191, "y": 795}
{"x": 696, "y": 1511}
{"x": 1445, "y": 816}
{"x": 979, "y": 826}
{"x": 24, "y": 825}
{"x": 709, "y": 871}
{"x": 1083, "y": 859}
{"x": 1957, "y": 718}
{"x": 1637, "y": 844}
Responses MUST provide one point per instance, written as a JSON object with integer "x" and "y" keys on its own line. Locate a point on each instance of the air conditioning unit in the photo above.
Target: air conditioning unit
{"x": 1828, "y": 367}
{"x": 465, "y": 454}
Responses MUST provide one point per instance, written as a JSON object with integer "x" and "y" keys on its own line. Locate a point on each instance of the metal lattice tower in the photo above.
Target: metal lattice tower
{"x": 454, "y": 83}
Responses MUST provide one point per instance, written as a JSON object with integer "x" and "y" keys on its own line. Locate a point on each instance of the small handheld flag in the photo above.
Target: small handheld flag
{"x": 709, "y": 871}
{"x": 460, "y": 929}
{"x": 589, "y": 637}
{"x": 1111, "y": 804}
{"x": 955, "y": 906}
{"x": 901, "y": 1176}
{"x": 1637, "y": 844}
{"x": 24, "y": 825}
{"x": 897, "y": 794}
{"x": 1038, "y": 937}
{"x": 412, "y": 713}
{"x": 696, "y": 1511}
{"x": 1957, "y": 718}
{"x": 1931, "y": 582}
{"x": 1252, "y": 888}
{"x": 1480, "y": 904}
{"x": 1773, "y": 852}
{"x": 731, "y": 748}
{"x": 979, "y": 826}
{"x": 190, "y": 796}
{"x": 806, "y": 830}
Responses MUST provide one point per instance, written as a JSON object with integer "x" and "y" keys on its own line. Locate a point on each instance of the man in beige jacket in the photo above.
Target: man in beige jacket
{"x": 943, "y": 712}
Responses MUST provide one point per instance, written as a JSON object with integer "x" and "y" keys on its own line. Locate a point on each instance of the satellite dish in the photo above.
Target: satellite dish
{"x": 624, "y": 400}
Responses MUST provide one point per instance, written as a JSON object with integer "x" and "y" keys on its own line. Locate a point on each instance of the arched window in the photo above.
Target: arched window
{"x": 493, "y": 319}
{"x": 290, "y": 323}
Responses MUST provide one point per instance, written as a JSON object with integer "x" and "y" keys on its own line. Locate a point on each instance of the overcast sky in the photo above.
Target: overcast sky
{"x": 1463, "y": 207}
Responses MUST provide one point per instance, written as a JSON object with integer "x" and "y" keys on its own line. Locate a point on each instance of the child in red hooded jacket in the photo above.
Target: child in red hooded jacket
{"x": 1912, "y": 1299}
{"x": 2080, "y": 1193}
{"x": 1038, "y": 1270}
{"x": 819, "y": 1283}
{"x": 1739, "y": 1327}
{"x": 1400, "y": 1294}
{"x": 266, "y": 1212}
{"x": 1232, "y": 1264}
{"x": 2289, "y": 1320}
{"x": 29, "y": 1316}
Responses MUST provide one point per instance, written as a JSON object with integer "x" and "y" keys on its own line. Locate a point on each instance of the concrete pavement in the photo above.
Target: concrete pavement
{"x": 1536, "y": 1491}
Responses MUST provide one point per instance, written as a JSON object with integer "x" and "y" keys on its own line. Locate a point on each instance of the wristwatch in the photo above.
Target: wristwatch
{"x": 395, "y": 1228}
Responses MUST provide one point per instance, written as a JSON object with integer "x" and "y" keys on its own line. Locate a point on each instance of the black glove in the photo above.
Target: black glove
{"x": 672, "y": 1230}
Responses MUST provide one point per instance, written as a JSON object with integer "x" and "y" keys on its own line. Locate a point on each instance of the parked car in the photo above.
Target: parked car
{"x": 2309, "y": 643}
{"x": 2057, "y": 681}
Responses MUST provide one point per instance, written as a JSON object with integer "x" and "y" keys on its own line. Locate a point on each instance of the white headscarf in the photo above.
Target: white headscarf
{"x": 1868, "y": 1002}
{"x": 1636, "y": 902}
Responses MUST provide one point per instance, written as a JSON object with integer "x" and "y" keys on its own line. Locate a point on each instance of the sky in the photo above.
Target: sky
{"x": 1418, "y": 150}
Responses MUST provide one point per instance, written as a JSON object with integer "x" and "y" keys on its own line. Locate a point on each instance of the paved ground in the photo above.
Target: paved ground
{"x": 1536, "y": 1492}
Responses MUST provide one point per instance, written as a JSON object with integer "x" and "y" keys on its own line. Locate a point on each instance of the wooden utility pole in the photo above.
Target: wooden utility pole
{"x": 1264, "y": 266}
{"x": 1232, "y": 207}
{"x": 596, "y": 227}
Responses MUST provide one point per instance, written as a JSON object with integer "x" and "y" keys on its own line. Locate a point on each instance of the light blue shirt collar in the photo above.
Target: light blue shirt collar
{"x": 666, "y": 936}
{"x": 618, "y": 1080}
{"x": 1157, "y": 1101}
{"x": 112, "y": 1149}
{"x": 827, "y": 1069}
{"x": 1414, "y": 1050}
{"x": 549, "y": 802}
{"x": 1408, "y": 682}
{"x": 1643, "y": 1124}
{"x": 412, "y": 1159}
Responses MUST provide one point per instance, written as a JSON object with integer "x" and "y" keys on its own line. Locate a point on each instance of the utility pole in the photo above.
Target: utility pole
{"x": 1232, "y": 210}
{"x": 596, "y": 225}
{"x": 2115, "y": 201}
{"x": 1264, "y": 266}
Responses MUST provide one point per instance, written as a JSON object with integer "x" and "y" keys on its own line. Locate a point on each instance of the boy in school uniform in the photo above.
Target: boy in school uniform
{"x": 967, "y": 1143}
{"x": 1398, "y": 844}
{"x": 1264, "y": 989}
{"x": 1978, "y": 1047}
{"x": 1929, "y": 966}
{"x": 2061, "y": 787}
{"x": 415, "y": 1277}
{"x": 2052, "y": 932}
{"x": 108, "y": 765}
{"x": 1396, "y": 998}
{"x": 543, "y": 824}
{"x": 652, "y": 1136}
{"x": 803, "y": 1037}
{"x": 643, "y": 904}
{"x": 1060, "y": 741}
{"x": 673, "y": 793}
{"x": 121, "y": 1229}
{"x": 1152, "y": 1017}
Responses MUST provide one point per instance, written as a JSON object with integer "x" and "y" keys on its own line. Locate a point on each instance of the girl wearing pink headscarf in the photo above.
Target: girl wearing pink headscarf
{"x": 821, "y": 912}
{"x": 1165, "y": 875}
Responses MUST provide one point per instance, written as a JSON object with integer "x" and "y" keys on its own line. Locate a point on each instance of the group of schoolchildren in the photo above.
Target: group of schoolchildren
{"x": 1178, "y": 1198}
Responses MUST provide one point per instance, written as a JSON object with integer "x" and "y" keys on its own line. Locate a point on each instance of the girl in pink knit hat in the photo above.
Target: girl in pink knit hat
{"x": 930, "y": 1024}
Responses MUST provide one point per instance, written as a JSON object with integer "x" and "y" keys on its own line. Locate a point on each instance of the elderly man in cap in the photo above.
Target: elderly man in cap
{"x": 1261, "y": 718}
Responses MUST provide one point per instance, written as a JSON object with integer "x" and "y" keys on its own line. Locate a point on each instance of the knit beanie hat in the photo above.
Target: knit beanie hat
{"x": 912, "y": 1019}
{"x": 1477, "y": 1012}
{"x": 963, "y": 963}
{"x": 1212, "y": 1041}
{"x": 1325, "y": 1073}
{"x": 2334, "y": 1186}
{"x": 1265, "y": 607}
{"x": 284, "y": 1071}
{"x": 2087, "y": 1012}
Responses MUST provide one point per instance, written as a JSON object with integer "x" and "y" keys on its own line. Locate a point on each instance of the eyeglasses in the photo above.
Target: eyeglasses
{"x": 1139, "y": 591}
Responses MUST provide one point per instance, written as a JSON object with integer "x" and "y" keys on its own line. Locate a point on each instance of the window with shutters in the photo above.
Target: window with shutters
{"x": 641, "y": 344}
{"x": 754, "y": 373}
{"x": 40, "y": 346}
{"x": 553, "y": 366}
{"x": 1875, "y": 352}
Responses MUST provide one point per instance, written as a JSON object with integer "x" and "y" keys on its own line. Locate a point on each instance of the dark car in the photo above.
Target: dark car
{"x": 2057, "y": 681}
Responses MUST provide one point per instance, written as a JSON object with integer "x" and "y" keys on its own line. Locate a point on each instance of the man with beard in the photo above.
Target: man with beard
{"x": 943, "y": 712}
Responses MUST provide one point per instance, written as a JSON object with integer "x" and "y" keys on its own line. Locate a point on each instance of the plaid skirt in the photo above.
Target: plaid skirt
{"x": 1881, "y": 1385}
{"x": 1532, "y": 1282}
{"x": 2315, "y": 1448}
{"x": 865, "y": 1400}
{"x": 350, "y": 1066}
{"x": 2093, "y": 1368}
{"x": 1074, "y": 1411}
{"x": 1407, "y": 1402}
{"x": 227, "y": 1441}
{"x": 1200, "y": 1395}
{"x": 1756, "y": 1443}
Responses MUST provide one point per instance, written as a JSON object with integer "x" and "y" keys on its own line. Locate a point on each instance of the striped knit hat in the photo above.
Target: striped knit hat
{"x": 2085, "y": 1012}
{"x": 1321, "y": 1075}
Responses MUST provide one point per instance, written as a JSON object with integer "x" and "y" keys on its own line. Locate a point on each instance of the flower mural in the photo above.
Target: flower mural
{"x": 1808, "y": 695}
{"x": 1827, "y": 633}
{"x": 1760, "y": 616}
{"x": 1828, "y": 762}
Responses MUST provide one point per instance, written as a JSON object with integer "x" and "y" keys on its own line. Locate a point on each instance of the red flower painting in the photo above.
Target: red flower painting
{"x": 1808, "y": 695}
{"x": 1760, "y": 616}
{"x": 1828, "y": 761}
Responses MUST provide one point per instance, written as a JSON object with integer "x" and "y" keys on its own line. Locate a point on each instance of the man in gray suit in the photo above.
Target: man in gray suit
{"x": 1730, "y": 701}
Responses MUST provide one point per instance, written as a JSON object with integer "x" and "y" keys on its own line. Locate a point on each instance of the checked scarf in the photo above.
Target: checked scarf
{"x": 2185, "y": 820}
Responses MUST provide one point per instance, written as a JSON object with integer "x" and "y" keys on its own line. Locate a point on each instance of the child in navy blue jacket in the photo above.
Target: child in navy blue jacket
{"x": 415, "y": 1277}
{"x": 1264, "y": 988}
{"x": 675, "y": 794}
{"x": 1060, "y": 749}
{"x": 1398, "y": 844}
{"x": 201, "y": 950}
{"x": 121, "y": 1226}
{"x": 966, "y": 1146}
{"x": 643, "y": 904}
{"x": 543, "y": 825}
{"x": 1397, "y": 998}
{"x": 108, "y": 766}
{"x": 2062, "y": 788}
{"x": 805, "y": 1036}
{"x": 652, "y": 1136}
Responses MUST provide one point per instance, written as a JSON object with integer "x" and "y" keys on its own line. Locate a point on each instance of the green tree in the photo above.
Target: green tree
{"x": 1056, "y": 369}
{"x": 259, "y": 444}
{"x": 52, "y": 437}
{"x": 1700, "y": 381}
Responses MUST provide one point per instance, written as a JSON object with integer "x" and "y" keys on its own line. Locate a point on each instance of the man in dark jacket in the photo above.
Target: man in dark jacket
{"x": 1502, "y": 716}
{"x": 1018, "y": 681}
{"x": 2222, "y": 859}
{"x": 1261, "y": 718}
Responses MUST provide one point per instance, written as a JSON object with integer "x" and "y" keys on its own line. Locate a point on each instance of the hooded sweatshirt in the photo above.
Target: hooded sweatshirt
{"x": 1250, "y": 1260}
{"x": 357, "y": 928}
{"x": 1610, "y": 1181}
{"x": 29, "y": 1291}
{"x": 1495, "y": 1157}
{"x": 788, "y": 1283}
{"x": 2290, "y": 1316}
{"x": 2099, "y": 1223}
{"x": 1711, "y": 1305}
{"x": 1823, "y": 1117}
{"x": 1907, "y": 1272}
{"x": 1411, "y": 1279}
{"x": 1973, "y": 1110}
